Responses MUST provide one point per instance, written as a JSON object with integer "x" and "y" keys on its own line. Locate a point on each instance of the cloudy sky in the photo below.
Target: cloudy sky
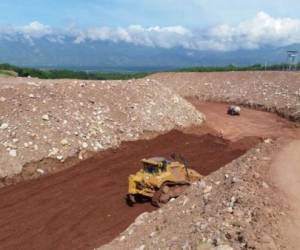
{"x": 193, "y": 24}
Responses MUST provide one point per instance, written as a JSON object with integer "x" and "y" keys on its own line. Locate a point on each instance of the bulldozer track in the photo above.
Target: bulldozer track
{"x": 84, "y": 207}
{"x": 167, "y": 191}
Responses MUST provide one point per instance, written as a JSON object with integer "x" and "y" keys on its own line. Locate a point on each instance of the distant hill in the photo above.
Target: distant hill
{"x": 111, "y": 56}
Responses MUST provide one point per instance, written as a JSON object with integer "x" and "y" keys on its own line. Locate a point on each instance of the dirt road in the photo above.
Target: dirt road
{"x": 249, "y": 123}
{"x": 83, "y": 207}
{"x": 285, "y": 172}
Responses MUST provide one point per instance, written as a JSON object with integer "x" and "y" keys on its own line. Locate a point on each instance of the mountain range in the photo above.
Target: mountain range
{"x": 46, "y": 52}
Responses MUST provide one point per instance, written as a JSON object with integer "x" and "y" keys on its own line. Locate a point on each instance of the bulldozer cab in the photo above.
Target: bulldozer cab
{"x": 155, "y": 165}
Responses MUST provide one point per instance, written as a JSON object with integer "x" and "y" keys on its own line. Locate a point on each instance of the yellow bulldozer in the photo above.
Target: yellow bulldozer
{"x": 160, "y": 180}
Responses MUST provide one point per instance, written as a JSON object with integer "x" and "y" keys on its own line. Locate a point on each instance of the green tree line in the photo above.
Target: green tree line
{"x": 231, "y": 67}
{"x": 71, "y": 74}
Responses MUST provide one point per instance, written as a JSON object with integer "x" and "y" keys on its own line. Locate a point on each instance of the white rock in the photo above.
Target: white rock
{"x": 265, "y": 185}
{"x": 2, "y": 99}
{"x": 268, "y": 141}
{"x": 13, "y": 153}
{"x": 223, "y": 247}
{"x": 207, "y": 189}
{"x": 33, "y": 84}
{"x": 41, "y": 171}
{"x": 122, "y": 238}
{"x": 142, "y": 247}
{"x": 4, "y": 126}
{"x": 64, "y": 142}
{"x": 186, "y": 199}
{"x": 53, "y": 151}
{"x": 59, "y": 157}
{"x": 230, "y": 210}
{"x": 85, "y": 145}
{"x": 152, "y": 234}
{"x": 45, "y": 117}
{"x": 201, "y": 184}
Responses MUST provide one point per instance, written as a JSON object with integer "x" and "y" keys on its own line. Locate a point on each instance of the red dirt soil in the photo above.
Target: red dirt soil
{"x": 249, "y": 123}
{"x": 83, "y": 207}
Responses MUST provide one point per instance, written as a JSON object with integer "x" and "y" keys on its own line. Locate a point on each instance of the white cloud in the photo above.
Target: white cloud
{"x": 262, "y": 30}
{"x": 166, "y": 37}
{"x": 35, "y": 29}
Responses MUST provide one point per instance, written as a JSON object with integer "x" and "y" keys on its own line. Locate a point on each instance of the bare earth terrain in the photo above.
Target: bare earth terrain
{"x": 285, "y": 171}
{"x": 67, "y": 147}
{"x": 250, "y": 123}
{"x": 85, "y": 206}
{"x": 64, "y": 118}
{"x": 272, "y": 91}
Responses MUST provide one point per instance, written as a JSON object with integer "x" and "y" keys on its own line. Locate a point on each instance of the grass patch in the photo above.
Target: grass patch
{"x": 8, "y": 73}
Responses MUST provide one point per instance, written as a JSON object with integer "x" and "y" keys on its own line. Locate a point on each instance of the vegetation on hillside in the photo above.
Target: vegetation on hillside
{"x": 11, "y": 70}
{"x": 255, "y": 67}
{"x": 68, "y": 74}
{"x": 4, "y": 72}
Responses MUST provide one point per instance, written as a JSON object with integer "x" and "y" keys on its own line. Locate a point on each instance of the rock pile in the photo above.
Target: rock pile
{"x": 271, "y": 91}
{"x": 234, "y": 208}
{"x": 62, "y": 118}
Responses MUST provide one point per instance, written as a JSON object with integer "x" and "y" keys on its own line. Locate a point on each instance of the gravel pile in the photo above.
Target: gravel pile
{"x": 62, "y": 118}
{"x": 272, "y": 91}
{"x": 234, "y": 208}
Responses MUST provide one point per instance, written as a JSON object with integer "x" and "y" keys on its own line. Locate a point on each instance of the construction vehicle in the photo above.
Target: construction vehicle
{"x": 160, "y": 180}
{"x": 233, "y": 110}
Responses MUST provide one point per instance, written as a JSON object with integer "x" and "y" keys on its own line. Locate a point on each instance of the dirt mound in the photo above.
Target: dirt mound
{"x": 83, "y": 207}
{"x": 233, "y": 208}
{"x": 59, "y": 118}
{"x": 236, "y": 206}
{"x": 276, "y": 91}
{"x": 285, "y": 173}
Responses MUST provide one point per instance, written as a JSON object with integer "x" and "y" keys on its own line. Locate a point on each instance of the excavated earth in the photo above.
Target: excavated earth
{"x": 65, "y": 143}
{"x": 59, "y": 119}
{"x": 84, "y": 207}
